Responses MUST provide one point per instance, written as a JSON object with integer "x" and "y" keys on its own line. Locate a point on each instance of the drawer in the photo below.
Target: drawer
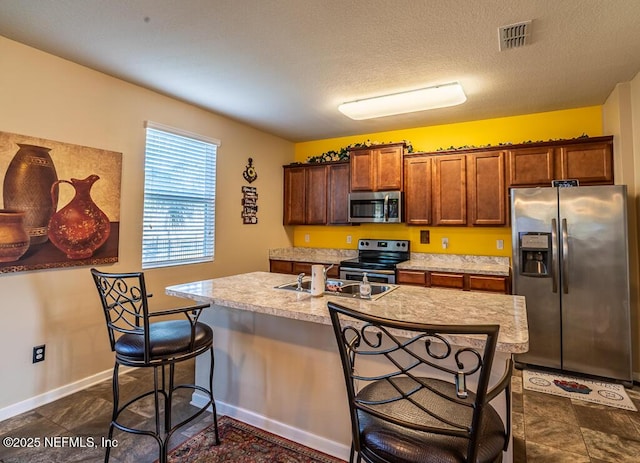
{"x": 489, "y": 283}
{"x": 411, "y": 277}
{"x": 447, "y": 280}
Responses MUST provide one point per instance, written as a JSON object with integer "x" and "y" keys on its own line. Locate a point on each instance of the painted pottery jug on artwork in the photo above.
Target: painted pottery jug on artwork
{"x": 27, "y": 187}
{"x": 14, "y": 239}
{"x": 80, "y": 227}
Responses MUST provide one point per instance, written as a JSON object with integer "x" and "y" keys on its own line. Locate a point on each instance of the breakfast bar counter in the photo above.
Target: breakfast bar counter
{"x": 277, "y": 365}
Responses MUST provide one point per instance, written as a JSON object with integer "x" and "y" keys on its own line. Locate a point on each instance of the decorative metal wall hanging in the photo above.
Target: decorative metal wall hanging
{"x": 250, "y": 173}
{"x": 34, "y": 233}
{"x": 249, "y": 205}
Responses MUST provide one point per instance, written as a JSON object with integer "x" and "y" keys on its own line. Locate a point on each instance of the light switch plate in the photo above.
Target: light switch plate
{"x": 445, "y": 243}
{"x": 500, "y": 244}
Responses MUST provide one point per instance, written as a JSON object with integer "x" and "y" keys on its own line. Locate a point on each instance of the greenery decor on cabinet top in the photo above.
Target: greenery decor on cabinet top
{"x": 343, "y": 153}
{"x": 508, "y": 143}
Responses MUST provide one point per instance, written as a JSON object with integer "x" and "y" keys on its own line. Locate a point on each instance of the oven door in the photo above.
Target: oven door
{"x": 374, "y": 276}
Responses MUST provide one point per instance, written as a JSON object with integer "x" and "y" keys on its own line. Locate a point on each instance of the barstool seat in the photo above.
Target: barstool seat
{"x": 140, "y": 341}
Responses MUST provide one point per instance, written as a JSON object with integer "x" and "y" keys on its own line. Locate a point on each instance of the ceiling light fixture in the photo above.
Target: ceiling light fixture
{"x": 439, "y": 96}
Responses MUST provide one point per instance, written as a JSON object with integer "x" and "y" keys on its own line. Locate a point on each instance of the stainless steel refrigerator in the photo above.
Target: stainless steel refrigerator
{"x": 571, "y": 262}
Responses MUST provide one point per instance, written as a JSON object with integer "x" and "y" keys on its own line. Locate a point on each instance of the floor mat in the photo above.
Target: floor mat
{"x": 242, "y": 443}
{"x": 612, "y": 395}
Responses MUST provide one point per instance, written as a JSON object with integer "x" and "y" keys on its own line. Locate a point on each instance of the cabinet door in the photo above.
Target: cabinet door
{"x": 338, "y": 194}
{"x": 449, "y": 190}
{"x": 531, "y": 166}
{"x": 316, "y": 195}
{"x": 417, "y": 190}
{"x": 294, "y": 195}
{"x": 388, "y": 168}
{"x": 362, "y": 174}
{"x": 302, "y": 267}
{"x": 280, "y": 266}
{"x": 590, "y": 163}
{"x": 486, "y": 189}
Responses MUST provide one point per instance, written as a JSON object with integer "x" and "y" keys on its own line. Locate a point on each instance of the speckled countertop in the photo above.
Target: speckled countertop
{"x": 256, "y": 292}
{"x": 484, "y": 265}
{"x": 320, "y": 255}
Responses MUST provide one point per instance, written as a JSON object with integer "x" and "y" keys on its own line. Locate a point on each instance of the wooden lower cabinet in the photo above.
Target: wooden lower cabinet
{"x": 411, "y": 277}
{"x": 280, "y": 266}
{"x": 446, "y": 280}
{"x": 497, "y": 284}
{"x": 295, "y": 267}
{"x": 462, "y": 281}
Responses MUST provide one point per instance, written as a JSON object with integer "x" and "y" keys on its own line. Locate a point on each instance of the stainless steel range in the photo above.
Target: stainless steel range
{"x": 378, "y": 258}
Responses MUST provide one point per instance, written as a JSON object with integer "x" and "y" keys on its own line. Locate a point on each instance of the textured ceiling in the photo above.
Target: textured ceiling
{"x": 285, "y": 65}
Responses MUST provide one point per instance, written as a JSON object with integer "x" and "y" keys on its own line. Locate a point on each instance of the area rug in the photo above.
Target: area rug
{"x": 612, "y": 395}
{"x": 242, "y": 443}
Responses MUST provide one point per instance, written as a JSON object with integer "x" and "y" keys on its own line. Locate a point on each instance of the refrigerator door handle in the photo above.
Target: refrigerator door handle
{"x": 565, "y": 258}
{"x": 554, "y": 255}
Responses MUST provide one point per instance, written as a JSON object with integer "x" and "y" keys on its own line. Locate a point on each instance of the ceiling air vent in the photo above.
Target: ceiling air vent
{"x": 515, "y": 35}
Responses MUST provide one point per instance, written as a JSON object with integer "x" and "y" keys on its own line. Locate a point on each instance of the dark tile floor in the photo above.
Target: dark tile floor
{"x": 547, "y": 429}
{"x": 86, "y": 414}
{"x": 552, "y": 429}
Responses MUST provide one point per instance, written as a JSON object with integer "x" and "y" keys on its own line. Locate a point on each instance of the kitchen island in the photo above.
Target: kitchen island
{"x": 277, "y": 365}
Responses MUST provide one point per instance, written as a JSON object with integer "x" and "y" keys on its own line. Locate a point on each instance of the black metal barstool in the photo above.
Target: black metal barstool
{"x": 140, "y": 342}
{"x": 417, "y": 397}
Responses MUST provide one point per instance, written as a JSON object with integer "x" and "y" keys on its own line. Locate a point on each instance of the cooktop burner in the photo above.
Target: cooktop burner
{"x": 379, "y": 254}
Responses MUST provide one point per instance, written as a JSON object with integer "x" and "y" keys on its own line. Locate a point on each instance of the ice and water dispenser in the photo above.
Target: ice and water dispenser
{"x": 535, "y": 254}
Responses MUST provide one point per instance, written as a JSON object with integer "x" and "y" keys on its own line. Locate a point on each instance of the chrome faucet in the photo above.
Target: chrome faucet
{"x": 300, "y": 277}
{"x": 324, "y": 273}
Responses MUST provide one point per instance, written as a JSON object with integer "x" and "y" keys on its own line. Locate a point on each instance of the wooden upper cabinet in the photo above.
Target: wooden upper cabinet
{"x": 362, "y": 174}
{"x": 449, "y": 190}
{"x": 377, "y": 168}
{"x": 316, "y": 194}
{"x": 316, "y": 181}
{"x": 590, "y": 163}
{"x": 531, "y": 166}
{"x": 417, "y": 189}
{"x": 388, "y": 168}
{"x": 338, "y": 194}
{"x": 294, "y": 195}
{"x": 486, "y": 189}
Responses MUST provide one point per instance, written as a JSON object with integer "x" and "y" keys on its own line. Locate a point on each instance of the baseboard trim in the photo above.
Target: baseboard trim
{"x": 300, "y": 436}
{"x": 55, "y": 394}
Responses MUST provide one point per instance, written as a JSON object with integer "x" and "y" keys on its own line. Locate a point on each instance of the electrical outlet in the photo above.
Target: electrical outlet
{"x": 348, "y": 239}
{"x": 500, "y": 244}
{"x": 307, "y": 238}
{"x": 445, "y": 243}
{"x": 38, "y": 354}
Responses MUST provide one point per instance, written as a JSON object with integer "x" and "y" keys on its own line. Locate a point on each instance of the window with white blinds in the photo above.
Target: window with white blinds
{"x": 179, "y": 197}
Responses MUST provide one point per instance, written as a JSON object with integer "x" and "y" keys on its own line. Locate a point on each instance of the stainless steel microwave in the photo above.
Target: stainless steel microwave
{"x": 375, "y": 206}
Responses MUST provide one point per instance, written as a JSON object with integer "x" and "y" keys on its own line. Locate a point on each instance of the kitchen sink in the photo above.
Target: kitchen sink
{"x": 343, "y": 288}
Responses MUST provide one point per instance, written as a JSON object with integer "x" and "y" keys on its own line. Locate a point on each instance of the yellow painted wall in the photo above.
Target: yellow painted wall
{"x": 462, "y": 240}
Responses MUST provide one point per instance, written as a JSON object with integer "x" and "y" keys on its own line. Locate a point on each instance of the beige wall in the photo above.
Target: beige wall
{"x": 44, "y": 96}
{"x": 622, "y": 119}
